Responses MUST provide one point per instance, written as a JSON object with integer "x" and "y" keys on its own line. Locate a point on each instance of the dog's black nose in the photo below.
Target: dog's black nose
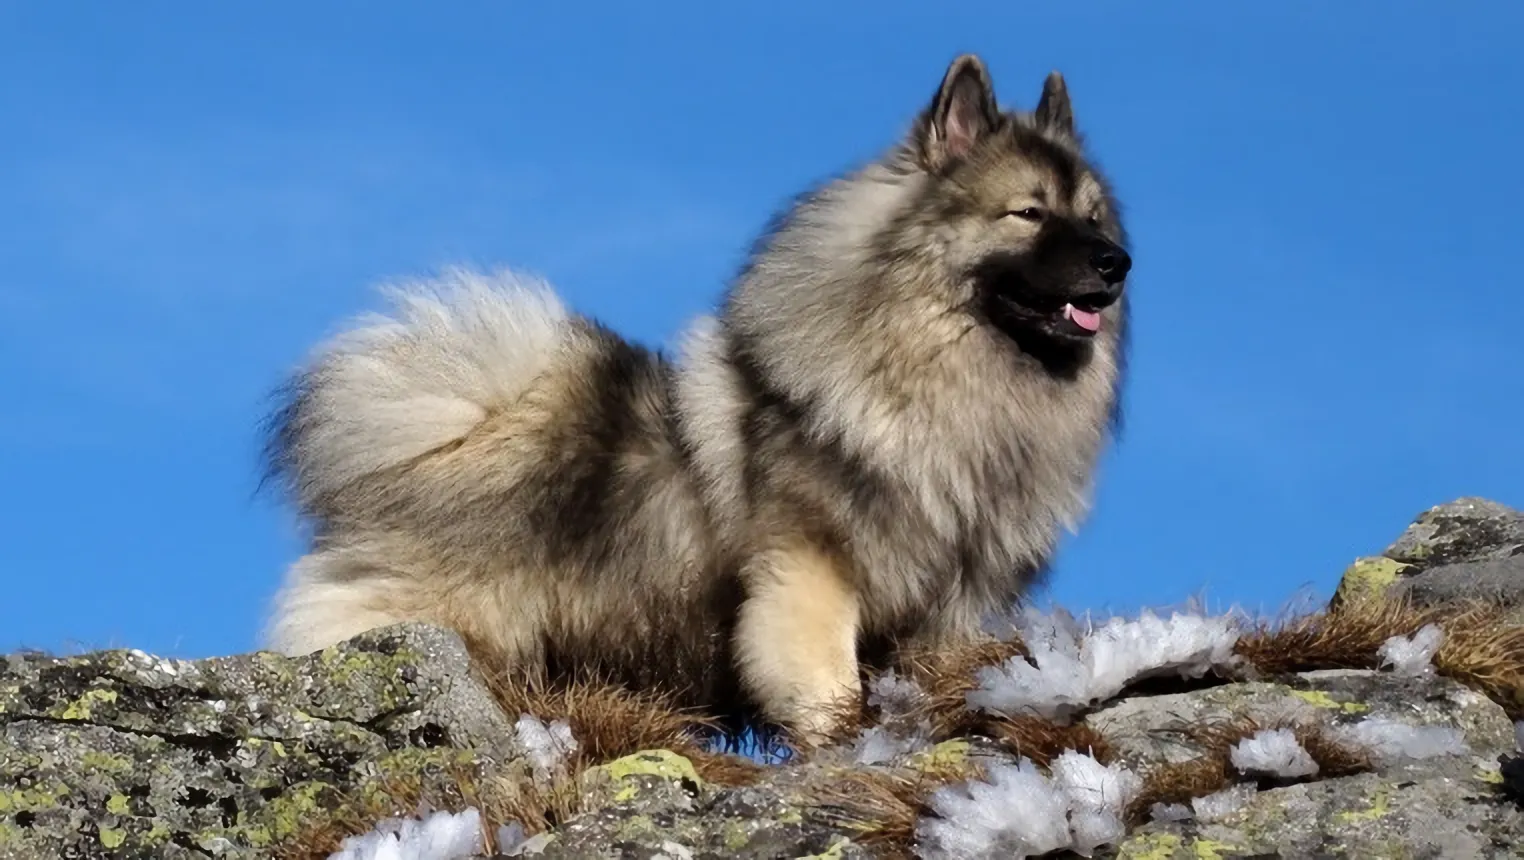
{"x": 1111, "y": 263}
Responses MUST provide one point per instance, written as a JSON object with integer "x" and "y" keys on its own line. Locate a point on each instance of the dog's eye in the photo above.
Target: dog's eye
{"x": 1093, "y": 222}
{"x": 1031, "y": 213}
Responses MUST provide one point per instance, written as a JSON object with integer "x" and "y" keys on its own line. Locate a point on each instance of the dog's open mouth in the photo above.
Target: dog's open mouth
{"x": 1084, "y": 320}
{"x": 1080, "y": 318}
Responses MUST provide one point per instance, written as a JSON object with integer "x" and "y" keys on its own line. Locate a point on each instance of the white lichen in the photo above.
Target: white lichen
{"x": 1412, "y": 655}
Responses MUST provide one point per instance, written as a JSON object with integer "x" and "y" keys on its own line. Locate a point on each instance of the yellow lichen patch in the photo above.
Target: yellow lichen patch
{"x": 832, "y": 853}
{"x": 1378, "y": 809}
{"x": 1367, "y": 578}
{"x": 117, "y": 805}
{"x": 1320, "y": 699}
{"x": 659, "y": 763}
{"x": 113, "y": 838}
{"x": 1150, "y": 846}
{"x": 1211, "y": 849}
{"x": 1490, "y": 773}
{"x": 947, "y": 755}
{"x": 81, "y": 708}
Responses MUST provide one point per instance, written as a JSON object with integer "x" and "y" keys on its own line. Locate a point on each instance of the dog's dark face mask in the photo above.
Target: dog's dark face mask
{"x": 1030, "y": 226}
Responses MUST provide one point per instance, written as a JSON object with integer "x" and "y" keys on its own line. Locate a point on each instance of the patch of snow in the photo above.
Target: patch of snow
{"x": 1412, "y": 655}
{"x": 1273, "y": 752}
{"x": 895, "y": 696}
{"x": 878, "y": 745}
{"x": 1072, "y": 668}
{"x": 1389, "y": 740}
{"x": 547, "y": 746}
{"x": 1098, "y": 799}
{"x": 1215, "y": 807}
{"x": 441, "y": 836}
{"x": 1019, "y": 812}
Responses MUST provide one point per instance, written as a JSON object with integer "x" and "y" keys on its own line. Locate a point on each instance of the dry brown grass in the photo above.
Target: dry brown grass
{"x": 352, "y": 813}
{"x": 947, "y": 676}
{"x": 1481, "y": 649}
{"x": 883, "y": 806}
{"x": 610, "y": 722}
{"x": 1213, "y": 771}
{"x": 1043, "y": 740}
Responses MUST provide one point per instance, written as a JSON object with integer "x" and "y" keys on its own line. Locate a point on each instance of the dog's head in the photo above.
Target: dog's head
{"x": 1014, "y": 210}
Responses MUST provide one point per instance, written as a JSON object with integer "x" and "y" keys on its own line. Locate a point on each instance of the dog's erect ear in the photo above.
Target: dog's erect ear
{"x": 1054, "y": 111}
{"x": 962, "y": 113}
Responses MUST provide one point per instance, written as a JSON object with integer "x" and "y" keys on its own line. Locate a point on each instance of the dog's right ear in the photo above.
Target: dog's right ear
{"x": 962, "y": 113}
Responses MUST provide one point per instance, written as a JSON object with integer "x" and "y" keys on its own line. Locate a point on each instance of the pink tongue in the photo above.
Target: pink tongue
{"x": 1087, "y": 320}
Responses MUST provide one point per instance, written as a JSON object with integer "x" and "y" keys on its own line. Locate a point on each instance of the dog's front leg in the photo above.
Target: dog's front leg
{"x": 796, "y": 639}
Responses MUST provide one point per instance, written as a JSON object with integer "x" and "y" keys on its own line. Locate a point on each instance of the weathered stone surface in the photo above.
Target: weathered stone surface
{"x": 118, "y": 753}
{"x": 1147, "y": 730}
{"x": 1437, "y": 815}
{"x": 1468, "y": 548}
{"x": 121, "y": 754}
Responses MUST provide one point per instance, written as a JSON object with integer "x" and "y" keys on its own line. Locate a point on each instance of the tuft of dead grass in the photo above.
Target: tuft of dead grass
{"x": 1043, "y": 740}
{"x": 610, "y": 722}
{"x": 1213, "y": 771}
{"x": 947, "y": 675}
{"x": 343, "y": 814}
{"x": 1482, "y": 648}
{"x": 883, "y": 806}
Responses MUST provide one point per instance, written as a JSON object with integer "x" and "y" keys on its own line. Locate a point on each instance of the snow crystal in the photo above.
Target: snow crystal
{"x": 895, "y": 696}
{"x": 1275, "y": 752}
{"x": 1098, "y": 797}
{"x": 1389, "y": 740}
{"x": 1071, "y": 669}
{"x": 1215, "y": 807}
{"x": 441, "y": 836}
{"x": 1018, "y": 812}
{"x": 1411, "y": 655}
{"x": 547, "y": 746}
{"x": 1015, "y": 813}
{"x": 878, "y": 745}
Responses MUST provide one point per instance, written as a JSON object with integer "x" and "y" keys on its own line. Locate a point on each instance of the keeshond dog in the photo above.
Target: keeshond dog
{"x": 875, "y": 442}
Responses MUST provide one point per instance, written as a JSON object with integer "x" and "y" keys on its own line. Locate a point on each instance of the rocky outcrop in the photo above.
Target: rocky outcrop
{"x": 1466, "y": 549}
{"x": 122, "y": 754}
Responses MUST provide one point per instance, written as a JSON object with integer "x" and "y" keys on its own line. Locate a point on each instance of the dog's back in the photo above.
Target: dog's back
{"x": 485, "y": 460}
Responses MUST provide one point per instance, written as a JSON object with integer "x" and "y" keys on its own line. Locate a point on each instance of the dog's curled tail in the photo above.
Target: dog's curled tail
{"x": 395, "y": 387}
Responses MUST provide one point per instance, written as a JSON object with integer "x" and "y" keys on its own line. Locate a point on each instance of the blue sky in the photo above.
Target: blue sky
{"x": 1323, "y": 200}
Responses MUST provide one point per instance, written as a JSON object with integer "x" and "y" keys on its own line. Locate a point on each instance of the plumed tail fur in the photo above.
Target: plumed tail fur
{"x": 396, "y": 387}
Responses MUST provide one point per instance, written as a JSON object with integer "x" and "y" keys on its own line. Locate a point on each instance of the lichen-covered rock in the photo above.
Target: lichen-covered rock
{"x": 1466, "y": 549}
{"x": 1372, "y": 815}
{"x": 118, "y": 753}
{"x": 1148, "y": 730}
{"x": 653, "y": 804}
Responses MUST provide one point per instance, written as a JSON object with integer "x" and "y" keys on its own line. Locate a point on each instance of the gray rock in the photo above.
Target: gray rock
{"x": 118, "y": 753}
{"x": 1367, "y": 815}
{"x": 1468, "y": 549}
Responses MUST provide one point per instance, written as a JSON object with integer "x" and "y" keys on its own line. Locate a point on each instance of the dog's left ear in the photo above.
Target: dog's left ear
{"x": 962, "y": 113}
{"x": 1054, "y": 112}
